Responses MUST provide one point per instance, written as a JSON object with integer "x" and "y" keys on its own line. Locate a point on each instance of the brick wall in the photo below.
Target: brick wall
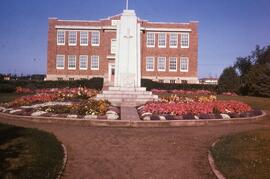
{"x": 104, "y": 49}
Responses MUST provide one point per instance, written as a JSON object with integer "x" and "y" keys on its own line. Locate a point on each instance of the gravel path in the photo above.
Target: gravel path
{"x": 95, "y": 152}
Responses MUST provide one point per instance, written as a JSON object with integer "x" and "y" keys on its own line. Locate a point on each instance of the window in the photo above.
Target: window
{"x": 113, "y": 46}
{"x": 161, "y": 66}
{"x": 173, "y": 40}
{"x": 185, "y": 40}
{"x": 150, "y": 41}
{"x": 184, "y": 64}
{"x": 150, "y": 63}
{"x": 162, "y": 40}
{"x": 94, "y": 62}
{"x": 172, "y": 81}
{"x": 60, "y": 79}
{"x": 173, "y": 64}
{"x": 60, "y": 62}
{"x": 95, "y": 38}
{"x": 60, "y": 37}
{"x": 71, "y": 79}
{"x": 161, "y": 81}
{"x": 71, "y": 62}
{"x": 83, "y": 38}
{"x": 83, "y": 62}
{"x": 72, "y": 38}
{"x": 184, "y": 81}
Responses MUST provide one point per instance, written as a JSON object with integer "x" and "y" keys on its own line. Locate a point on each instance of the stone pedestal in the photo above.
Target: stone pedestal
{"x": 128, "y": 57}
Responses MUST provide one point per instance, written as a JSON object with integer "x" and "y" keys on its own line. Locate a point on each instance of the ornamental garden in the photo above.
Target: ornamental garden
{"x": 79, "y": 103}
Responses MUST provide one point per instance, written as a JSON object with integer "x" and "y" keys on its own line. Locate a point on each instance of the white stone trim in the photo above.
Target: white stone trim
{"x": 54, "y": 77}
{"x": 73, "y": 27}
{"x": 165, "y": 29}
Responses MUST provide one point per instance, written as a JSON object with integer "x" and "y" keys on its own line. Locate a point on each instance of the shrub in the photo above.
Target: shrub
{"x": 94, "y": 83}
{"x": 7, "y": 88}
{"x": 149, "y": 84}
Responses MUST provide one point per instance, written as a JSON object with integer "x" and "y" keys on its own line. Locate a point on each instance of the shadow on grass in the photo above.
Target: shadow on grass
{"x": 28, "y": 153}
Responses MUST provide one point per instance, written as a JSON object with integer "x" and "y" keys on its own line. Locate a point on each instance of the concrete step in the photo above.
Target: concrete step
{"x": 126, "y": 89}
{"x": 127, "y": 92}
{"x": 125, "y": 95}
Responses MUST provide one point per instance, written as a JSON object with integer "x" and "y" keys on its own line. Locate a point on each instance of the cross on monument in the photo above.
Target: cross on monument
{"x": 128, "y": 37}
{"x": 126, "y": 4}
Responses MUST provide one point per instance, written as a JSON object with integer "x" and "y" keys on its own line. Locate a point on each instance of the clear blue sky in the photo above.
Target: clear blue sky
{"x": 227, "y": 28}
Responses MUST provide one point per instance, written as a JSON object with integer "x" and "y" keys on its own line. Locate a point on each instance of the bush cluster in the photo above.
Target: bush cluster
{"x": 149, "y": 84}
{"x": 10, "y": 86}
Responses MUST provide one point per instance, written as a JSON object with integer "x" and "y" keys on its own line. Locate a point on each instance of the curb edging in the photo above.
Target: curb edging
{"x": 213, "y": 167}
{"x": 60, "y": 173}
{"x": 129, "y": 123}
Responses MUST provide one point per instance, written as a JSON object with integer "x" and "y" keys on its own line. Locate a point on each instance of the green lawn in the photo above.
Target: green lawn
{"x": 244, "y": 155}
{"x": 28, "y": 153}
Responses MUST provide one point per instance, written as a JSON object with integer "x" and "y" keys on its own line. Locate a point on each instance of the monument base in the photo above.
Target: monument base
{"x": 125, "y": 96}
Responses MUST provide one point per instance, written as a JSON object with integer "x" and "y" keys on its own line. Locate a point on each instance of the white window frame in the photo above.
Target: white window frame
{"x": 93, "y": 43}
{"x": 181, "y": 61}
{"x": 83, "y": 57}
{"x": 58, "y": 38}
{"x": 92, "y": 58}
{"x": 113, "y": 43}
{"x": 158, "y": 63}
{"x": 171, "y": 40}
{"x": 175, "y": 59}
{"x": 69, "y": 38}
{"x": 85, "y": 38}
{"x": 148, "y": 40}
{"x": 162, "y": 38}
{"x": 56, "y": 62}
{"x": 69, "y": 58}
{"x": 184, "y": 40}
{"x": 147, "y": 63}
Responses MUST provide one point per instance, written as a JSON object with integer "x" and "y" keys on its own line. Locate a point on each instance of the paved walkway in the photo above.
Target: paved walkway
{"x": 95, "y": 152}
{"x": 129, "y": 113}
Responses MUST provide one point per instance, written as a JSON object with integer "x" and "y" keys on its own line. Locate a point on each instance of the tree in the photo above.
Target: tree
{"x": 229, "y": 80}
{"x": 257, "y": 81}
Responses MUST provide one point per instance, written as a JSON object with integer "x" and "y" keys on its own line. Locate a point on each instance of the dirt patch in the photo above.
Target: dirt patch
{"x": 96, "y": 152}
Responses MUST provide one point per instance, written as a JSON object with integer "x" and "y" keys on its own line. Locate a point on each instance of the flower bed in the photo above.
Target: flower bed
{"x": 66, "y": 102}
{"x": 195, "y": 109}
{"x": 90, "y": 109}
{"x": 54, "y": 94}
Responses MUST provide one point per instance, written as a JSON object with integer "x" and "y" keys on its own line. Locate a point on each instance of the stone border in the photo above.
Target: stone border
{"x": 59, "y": 175}
{"x": 130, "y": 123}
{"x": 211, "y": 161}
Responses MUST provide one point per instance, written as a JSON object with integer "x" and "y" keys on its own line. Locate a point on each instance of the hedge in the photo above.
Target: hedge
{"x": 149, "y": 84}
{"x": 10, "y": 86}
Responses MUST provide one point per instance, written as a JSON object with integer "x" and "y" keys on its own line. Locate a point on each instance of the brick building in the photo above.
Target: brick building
{"x": 86, "y": 49}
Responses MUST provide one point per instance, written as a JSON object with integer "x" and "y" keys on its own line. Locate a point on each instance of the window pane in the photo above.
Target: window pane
{"x": 162, "y": 40}
{"x": 60, "y": 37}
{"x": 173, "y": 40}
{"x": 95, "y": 38}
{"x": 60, "y": 62}
{"x": 150, "y": 42}
{"x": 173, "y": 64}
{"x": 83, "y": 62}
{"x": 184, "y": 64}
{"x": 72, "y": 62}
{"x": 72, "y": 38}
{"x": 95, "y": 62}
{"x": 149, "y": 63}
{"x": 184, "y": 40}
{"x": 84, "y": 38}
{"x": 161, "y": 63}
